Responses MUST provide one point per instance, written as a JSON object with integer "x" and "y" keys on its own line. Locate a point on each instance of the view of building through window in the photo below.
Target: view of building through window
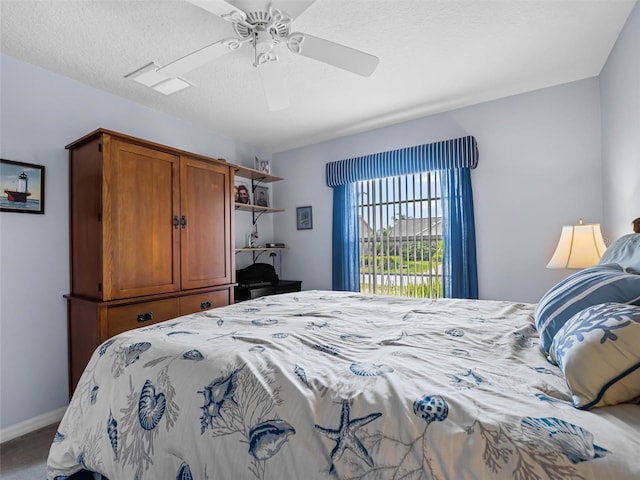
{"x": 401, "y": 242}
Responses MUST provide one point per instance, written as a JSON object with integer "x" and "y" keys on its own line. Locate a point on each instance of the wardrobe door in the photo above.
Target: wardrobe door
{"x": 205, "y": 230}
{"x": 141, "y": 208}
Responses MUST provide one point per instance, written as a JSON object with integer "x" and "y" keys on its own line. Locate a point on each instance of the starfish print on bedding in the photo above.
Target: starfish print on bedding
{"x": 345, "y": 436}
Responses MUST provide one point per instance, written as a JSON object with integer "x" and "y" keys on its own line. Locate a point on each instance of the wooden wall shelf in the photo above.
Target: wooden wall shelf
{"x": 261, "y": 249}
{"x": 246, "y": 207}
{"x": 255, "y": 175}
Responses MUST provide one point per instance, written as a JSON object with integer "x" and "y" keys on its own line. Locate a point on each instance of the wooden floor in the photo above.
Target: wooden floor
{"x": 26, "y": 457}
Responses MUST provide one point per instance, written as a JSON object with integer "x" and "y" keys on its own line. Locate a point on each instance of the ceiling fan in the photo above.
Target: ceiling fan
{"x": 264, "y": 26}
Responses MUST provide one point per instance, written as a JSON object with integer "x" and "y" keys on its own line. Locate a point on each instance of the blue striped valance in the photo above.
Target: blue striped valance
{"x": 456, "y": 153}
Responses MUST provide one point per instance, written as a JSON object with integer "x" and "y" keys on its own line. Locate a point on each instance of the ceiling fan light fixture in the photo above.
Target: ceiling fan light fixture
{"x": 263, "y": 41}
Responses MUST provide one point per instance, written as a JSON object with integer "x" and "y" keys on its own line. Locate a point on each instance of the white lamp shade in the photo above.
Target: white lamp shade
{"x": 580, "y": 246}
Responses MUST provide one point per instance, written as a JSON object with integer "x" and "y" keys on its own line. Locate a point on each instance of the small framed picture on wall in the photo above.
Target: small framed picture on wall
{"x": 262, "y": 165}
{"x": 21, "y": 187}
{"x": 304, "y": 218}
{"x": 261, "y": 196}
{"x": 243, "y": 194}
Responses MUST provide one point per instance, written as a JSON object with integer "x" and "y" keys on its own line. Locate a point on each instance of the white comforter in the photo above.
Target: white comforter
{"x": 317, "y": 385}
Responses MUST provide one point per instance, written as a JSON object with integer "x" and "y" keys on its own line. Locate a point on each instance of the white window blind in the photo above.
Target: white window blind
{"x": 401, "y": 242}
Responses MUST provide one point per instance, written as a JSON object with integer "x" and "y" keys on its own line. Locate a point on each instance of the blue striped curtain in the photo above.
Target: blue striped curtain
{"x": 454, "y": 159}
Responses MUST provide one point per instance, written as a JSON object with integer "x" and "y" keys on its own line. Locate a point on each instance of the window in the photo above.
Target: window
{"x": 400, "y": 235}
{"x": 355, "y": 202}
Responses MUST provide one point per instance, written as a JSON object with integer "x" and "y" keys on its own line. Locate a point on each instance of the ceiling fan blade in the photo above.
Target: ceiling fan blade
{"x": 199, "y": 57}
{"x": 332, "y": 53}
{"x": 217, "y": 7}
{"x": 273, "y": 84}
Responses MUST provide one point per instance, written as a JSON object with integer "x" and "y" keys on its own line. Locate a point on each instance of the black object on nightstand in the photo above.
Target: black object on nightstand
{"x": 259, "y": 280}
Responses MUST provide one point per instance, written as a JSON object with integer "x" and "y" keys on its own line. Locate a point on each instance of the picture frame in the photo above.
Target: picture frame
{"x": 304, "y": 218}
{"x": 242, "y": 193}
{"x": 21, "y": 187}
{"x": 261, "y": 196}
{"x": 262, "y": 165}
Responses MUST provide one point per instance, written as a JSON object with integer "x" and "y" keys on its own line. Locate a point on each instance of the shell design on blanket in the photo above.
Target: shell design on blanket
{"x": 264, "y": 322}
{"x": 366, "y": 369}
{"x": 266, "y": 438}
{"x": 432, "y": 408}
{"x": 150, "y": 406}
{"x": 195, "y": 355}
{"x": 134, "y": 351}
{"x": 573, "y": 441}
{"x": 215, "y": 395}
{"x": 302, "y": 375}
{"x": 112, "y": 432}
{"x": 455, "y": 332}
{"x": 523, "y": 341}
{"x": 317, "y": 324}
{"x": 184, "y": 472}
{"x": 330, "y": 349}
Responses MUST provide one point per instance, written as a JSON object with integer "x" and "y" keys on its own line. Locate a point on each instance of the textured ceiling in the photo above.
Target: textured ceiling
{"x": 434, "y": 56}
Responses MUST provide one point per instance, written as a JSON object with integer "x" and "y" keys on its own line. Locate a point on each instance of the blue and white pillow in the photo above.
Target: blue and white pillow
{"x": 587, "y": 287}
{"x": 598, "y": 350}
{"x": 625, "y": 251}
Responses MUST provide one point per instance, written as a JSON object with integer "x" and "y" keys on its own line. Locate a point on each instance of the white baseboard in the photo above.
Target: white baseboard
{"x": 31, "y": 425}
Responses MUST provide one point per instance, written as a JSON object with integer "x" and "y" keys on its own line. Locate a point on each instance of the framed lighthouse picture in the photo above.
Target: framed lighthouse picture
{"x": 21, "y": 187}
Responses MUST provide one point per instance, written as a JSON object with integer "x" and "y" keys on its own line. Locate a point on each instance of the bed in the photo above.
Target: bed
{"x": 315, "y": 385}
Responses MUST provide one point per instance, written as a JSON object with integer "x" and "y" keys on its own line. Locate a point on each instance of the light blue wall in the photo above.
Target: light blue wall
{"x": 620, "y": 97}
{"x": 539, "y": 168}
{"x": 41, "y": 112}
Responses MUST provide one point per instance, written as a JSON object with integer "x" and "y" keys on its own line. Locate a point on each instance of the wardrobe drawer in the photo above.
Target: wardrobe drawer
{"x": 128, "y": 317}
{"x": 203, "y": 301}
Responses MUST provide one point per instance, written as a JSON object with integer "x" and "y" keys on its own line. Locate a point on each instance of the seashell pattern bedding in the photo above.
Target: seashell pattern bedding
{"x": 324, "y": 385}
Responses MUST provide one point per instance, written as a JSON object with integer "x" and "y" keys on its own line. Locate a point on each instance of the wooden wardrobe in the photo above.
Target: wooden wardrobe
{"x": 151, "y": 238}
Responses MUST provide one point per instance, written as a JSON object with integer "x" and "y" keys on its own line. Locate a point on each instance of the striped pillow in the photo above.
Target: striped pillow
{"x": 587, "y": 287}
{"x": 598, "y": 350}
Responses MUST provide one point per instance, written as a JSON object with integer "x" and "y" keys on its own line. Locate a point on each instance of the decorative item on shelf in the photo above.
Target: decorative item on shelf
{"x": 262, "y": 165}
{"x": 261, "y": 196}
{"x": 580, "y": 246}
{"x": 304, "y": 218}
{"x": 22, "y": 187}
{"x": 242, "y": 194}
{"x": 252, "y": 237}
